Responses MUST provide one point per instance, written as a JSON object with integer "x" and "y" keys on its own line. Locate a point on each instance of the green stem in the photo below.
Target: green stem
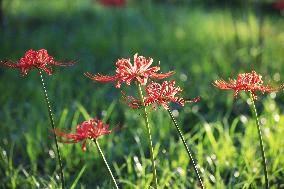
{"x": 187, "y": 149}
{"x": 264, "y": 164}
{"x": 108, "y": 168}
{"x": 149, "y": 137}
{"x": 53, "y": 128}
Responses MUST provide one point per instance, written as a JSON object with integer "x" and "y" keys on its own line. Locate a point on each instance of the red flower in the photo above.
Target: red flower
{"x": 39, "y": 59}
{"x": 279, "y": 5}
{"x": 115, "y": 3}
{"x": 161, "y": 94}
{"x": 245, "y": 82}
{"x": 126, "y": 72}
{"x": 91, "y": 129}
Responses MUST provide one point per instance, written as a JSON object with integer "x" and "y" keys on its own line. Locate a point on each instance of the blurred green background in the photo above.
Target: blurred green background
{"x": 200, "y": 40}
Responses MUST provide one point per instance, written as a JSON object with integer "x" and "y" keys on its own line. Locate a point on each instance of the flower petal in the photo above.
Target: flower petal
{"x": 100, "y": 78}
{"x": 162, "y": 75}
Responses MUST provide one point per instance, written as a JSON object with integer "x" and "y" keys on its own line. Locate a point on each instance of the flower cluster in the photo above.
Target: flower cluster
{"x": 141, "y": 71}
{"x": 126, "y": 72}
{"x": 245, "y": 82}
{"x": 160, "y": 94}
{"x": 39, "y": 59}
{"x": 90, "y": 129}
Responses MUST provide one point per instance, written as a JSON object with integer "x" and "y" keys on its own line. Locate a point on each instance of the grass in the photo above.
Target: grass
{"x": 200, "y": 44}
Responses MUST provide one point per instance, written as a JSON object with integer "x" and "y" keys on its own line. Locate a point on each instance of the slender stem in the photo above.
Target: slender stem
{"x": 264, "y": 162}
{"x": 108, "y": 168}
{"x": 53, "y": 127}
{"x": 187, "y": 149}
{"x": 149, "y": 137}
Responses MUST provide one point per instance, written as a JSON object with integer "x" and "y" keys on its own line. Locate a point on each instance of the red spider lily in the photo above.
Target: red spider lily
{"x": 279, "y": 5}
{"x": 38, "y": 59}
{"x": 140, "y": 71}
{"x": 114, "y": 3}
{"x": 161, "y": 94}
{"x": 90, "y": 129}
{"x": 245, "y": 82}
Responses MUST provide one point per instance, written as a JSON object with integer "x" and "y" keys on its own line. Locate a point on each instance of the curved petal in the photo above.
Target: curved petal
{"x": 131, "y": 101}
{"x": 221, "y": 84}
{"x": 70, "y": 63}
{"x": 64, "y": 135}
{"x": 11, "y": 64}
{"x": 100, "y": 78}
{"x": 162, "y": 75}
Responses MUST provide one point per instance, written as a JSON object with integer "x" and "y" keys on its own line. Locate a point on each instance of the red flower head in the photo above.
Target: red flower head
{"x": 38, "y": 59}
{"x": 91, "y": 129}
{"x": 245, "y": 82}
{"x": 279, "y": 5}
{"x": 161, "y": 94}
{"x": 139, "y": 71}
{"x": 114, "y": 3}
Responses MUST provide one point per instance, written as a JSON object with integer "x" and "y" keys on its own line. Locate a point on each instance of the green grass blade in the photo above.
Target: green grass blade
{"x": 78, "y": 177}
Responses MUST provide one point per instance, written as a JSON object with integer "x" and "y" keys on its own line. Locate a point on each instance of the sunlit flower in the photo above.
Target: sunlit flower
{"x": 245, "y": 82}
{"x": 161, "y": 94}
{"x": 279, "y": 5}
{"x": 38, "y": 59}
{"x": 114, "y": 3}
{"x": 126, "y": 72}
{"x": 90, "y": 129}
